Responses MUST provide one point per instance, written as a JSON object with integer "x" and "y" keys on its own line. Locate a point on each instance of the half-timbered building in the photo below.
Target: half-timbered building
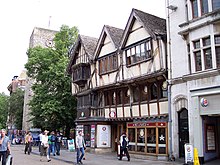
{"x": 81, "y": 72}
{"x": 127, "y": 87}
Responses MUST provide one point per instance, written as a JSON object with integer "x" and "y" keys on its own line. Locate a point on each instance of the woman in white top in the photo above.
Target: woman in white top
{"x": 45, "y": 146}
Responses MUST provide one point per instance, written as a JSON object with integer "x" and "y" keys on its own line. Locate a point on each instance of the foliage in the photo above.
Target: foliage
{"x": 3, "y": 109}
{"x": 52, "y": 105}
{"x": 16, "y": 104}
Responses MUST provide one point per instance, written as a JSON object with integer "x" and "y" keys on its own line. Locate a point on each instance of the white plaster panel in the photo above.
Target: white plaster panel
{"x": 153, "y": 109}
{"x": 119, "y": 112}
{"x": 107, "y": 48}
{"x": 127, "y": 112}
{"x": 107, "y": 111}
{"x": 135, "y": 110}
{"x": 164, "y": 107}
{"x": 107, "y": 79}
{"x": 137, "y": 35}
{"x": 144, "y": 110}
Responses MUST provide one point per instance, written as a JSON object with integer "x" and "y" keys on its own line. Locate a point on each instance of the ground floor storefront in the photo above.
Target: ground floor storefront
{"x": 206, "y": 123}
{"x": 146, "y": 137}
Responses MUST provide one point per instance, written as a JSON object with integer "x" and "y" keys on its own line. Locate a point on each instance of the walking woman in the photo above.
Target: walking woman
{"x": 4, "y": 146}
{"x": 45, "y": 146}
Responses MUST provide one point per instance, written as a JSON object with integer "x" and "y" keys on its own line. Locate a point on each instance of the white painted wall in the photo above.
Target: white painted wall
{"x": 107, "y": 48}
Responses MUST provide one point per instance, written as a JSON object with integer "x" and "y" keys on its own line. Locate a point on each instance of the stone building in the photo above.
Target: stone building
{"x": 194, "y": 36}
{"x": 125, "y": 88}
{"x": 39, "y": 37}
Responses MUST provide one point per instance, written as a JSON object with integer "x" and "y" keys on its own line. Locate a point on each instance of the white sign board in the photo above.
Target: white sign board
{"x": 71, "y": 145}
{"x": 103, "y": 135}
{"x": 189, "y": 155}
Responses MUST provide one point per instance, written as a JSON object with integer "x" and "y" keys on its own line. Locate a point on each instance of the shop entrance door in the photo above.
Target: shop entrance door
{"x": 183, "y": 131}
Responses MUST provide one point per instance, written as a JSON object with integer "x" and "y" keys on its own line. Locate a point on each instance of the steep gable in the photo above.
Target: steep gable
{"x": 152, "y": 24}
{"x": 88, "y": 44}
{"x": 111, "y": 36}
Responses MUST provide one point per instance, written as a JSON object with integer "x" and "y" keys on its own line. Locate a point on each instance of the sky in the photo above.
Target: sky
{"x": 19, "y": 17}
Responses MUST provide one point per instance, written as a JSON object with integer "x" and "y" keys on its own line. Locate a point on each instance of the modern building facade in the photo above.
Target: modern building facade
{"x": 126, "y": 89}
{"x": 39, "y": 37}
{"x": 194, "y": 36}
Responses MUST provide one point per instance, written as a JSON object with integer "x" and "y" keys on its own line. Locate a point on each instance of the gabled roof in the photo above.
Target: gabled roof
{"x": 113, "y": 33}
{"x": 154, "y": 25}
{"x": 89, "y": 45}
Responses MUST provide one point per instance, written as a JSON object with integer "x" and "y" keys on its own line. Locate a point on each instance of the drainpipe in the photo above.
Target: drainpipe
{"x": 169, "y": 84}
{"x": 170, "y": 122}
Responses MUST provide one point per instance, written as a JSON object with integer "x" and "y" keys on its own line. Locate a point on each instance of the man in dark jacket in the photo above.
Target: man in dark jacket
{"x": 124, "y": 146}
{"x": 58, "y": 143}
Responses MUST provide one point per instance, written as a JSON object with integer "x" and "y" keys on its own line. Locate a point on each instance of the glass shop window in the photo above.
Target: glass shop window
{"x": 131, "y": 138}
{"x": 141, "y": 139}
{"x": 162, "y": 140}
{"x": 151, "y": 140}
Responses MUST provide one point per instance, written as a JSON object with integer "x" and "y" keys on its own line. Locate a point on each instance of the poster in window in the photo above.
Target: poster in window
{"x": 103, "y": 135}
{"x": 92, "y": 136}
{"x": 210, "y": 137}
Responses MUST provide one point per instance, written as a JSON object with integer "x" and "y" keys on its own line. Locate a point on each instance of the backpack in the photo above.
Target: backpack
{"x": 53, "y": 138}
{"x": 124, "y": 142}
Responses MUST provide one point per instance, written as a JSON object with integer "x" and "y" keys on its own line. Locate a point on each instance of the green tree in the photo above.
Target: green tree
{"x": 52, "y": 105}
{"x": 3, "y": 109}
{"x": 16, "y": 104}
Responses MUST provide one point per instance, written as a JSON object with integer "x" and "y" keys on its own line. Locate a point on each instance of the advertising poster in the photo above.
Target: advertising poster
{"x": 71, "y": 145}
{"x": 103, "y": 135}
{"x": 93, "y": 136}
{"x": 189, "y": 156}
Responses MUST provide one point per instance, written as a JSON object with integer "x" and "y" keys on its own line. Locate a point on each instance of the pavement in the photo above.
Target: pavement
{"x": 67, "y": 158}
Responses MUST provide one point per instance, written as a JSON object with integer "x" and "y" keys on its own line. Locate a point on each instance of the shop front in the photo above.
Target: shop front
{"x": 97, "y": 136}
{"x": 148, "y": 138}
{"x": 210, "y": 114}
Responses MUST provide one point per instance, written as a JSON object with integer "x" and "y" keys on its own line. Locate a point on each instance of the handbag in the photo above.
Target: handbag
{"x": 45, "y": 145}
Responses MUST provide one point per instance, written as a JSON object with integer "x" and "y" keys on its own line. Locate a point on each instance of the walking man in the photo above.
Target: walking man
{"x": 4, "y": 146}
{"x": 124, "y": 146}
{"x": 80, "y": 146}
{"x": 28, "y": 141}
{"x": 58, "y": 143}
{"x": 51, "y": 140}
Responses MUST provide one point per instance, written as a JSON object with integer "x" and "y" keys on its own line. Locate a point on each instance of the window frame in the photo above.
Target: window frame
{"x": 108, "y": 64}
{"x": 133, "y": 58}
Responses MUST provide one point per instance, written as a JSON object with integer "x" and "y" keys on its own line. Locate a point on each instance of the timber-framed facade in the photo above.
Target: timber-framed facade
{"x": 125, "y": 88}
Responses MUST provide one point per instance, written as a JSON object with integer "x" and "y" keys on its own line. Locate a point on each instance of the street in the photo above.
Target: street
{"x": 66, "y": 158}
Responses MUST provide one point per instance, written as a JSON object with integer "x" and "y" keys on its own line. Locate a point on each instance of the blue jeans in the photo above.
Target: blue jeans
{"x": 58, "y": 148}
{"x": 78, "y": 150}
{"x": 3, "y": 157}
{"x": 51, "y": 148}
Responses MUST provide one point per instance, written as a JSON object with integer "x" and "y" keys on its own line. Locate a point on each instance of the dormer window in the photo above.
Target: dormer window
{"x": 108, "y": 64}
{"x": 138, "y": 52}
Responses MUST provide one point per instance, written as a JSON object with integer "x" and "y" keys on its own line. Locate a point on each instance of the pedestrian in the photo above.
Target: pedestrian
{"x": 28, "y": 143}
{"x": 124, "y": 146}
{"x": 45, "y": 146}
{"x": 58, "y": 143}
{"x": 40, "y": 138}
{"x": 80, "y": 147}
{"x": 52, "y": 139}
{"x": 4, "y": 146}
